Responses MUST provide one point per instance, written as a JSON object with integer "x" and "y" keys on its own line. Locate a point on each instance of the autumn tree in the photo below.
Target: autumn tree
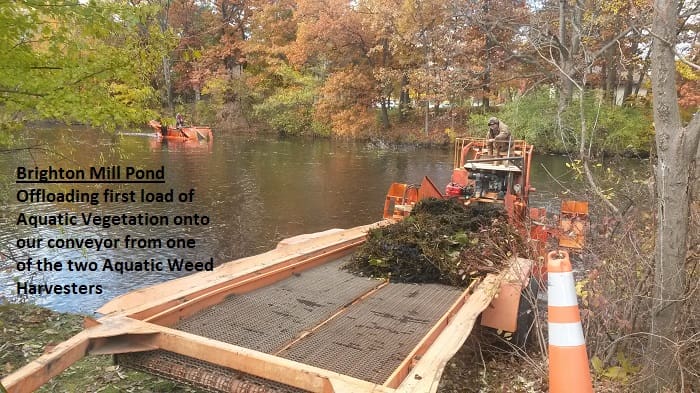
{"x": 590, "y": 44}
{"x": 219, "y": 66}
{"x": 421, "y": 33}
{"x": 281, "y": 96}
{"x": 491, "y": 50}
{"x": 334, "y": 38}
{"x": 163, "y": 22}
{"x": 191, "y": 21}
{"x": 577, "y": 39}
{"x": 228, "y": 29}
{"x": 677, "y": 148}
{"x": 79, "y": 62}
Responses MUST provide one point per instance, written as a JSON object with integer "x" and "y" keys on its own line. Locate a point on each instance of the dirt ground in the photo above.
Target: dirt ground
{"x": 487, "y": 363}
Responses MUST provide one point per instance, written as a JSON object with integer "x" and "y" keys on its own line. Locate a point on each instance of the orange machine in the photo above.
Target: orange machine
{"x": 478, "y": 176}
{"x": 573, "y": 224}
{"x": 191, "y": 133}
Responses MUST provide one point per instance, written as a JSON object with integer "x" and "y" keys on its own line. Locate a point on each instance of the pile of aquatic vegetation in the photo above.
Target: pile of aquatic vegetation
{"x": 442, "y": 241}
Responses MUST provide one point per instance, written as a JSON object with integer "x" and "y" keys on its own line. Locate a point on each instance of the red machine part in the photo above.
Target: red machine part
{"x": 454, "y": 190}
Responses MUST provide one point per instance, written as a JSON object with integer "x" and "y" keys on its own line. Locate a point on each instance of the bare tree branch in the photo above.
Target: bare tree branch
{"x": 610, "y": 43}
{"x": 26, "y": 93}
{"x": 555, "y": 65}
{"x": 680, "y": 57}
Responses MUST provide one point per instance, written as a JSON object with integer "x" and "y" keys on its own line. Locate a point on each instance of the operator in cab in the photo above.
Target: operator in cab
{"x": 498, "y": 137}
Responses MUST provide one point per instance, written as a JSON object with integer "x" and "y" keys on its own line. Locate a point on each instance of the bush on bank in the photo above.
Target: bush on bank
{"x": 609, "y": 129}
{"x": 623, "y": 130}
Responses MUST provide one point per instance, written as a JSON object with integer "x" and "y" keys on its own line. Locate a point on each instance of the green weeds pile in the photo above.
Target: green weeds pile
{"x": 442, "y": 241}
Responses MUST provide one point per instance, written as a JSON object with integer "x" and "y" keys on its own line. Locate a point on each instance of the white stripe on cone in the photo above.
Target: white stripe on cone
{"x": 566, "y": 334}
{"x": 561, "y": 291}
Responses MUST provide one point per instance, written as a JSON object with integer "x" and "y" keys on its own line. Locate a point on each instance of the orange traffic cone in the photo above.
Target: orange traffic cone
{"x": 568, "y": 361}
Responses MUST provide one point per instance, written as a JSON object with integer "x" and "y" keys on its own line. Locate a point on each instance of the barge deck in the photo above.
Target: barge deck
{"x": 289, "y": 320}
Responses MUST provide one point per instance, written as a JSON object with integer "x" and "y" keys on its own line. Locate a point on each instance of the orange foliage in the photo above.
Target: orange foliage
{"x": 330, "y": 31}
{"x": 689, "y": 94}
{"x": 346, "y": 102}
{"x": 272, "y": 29}
{"x": 688, "y": 81}
{"x": 355, "y": 122}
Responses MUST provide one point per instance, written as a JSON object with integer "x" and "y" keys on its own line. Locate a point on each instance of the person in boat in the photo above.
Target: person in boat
{"x": 179, "y": 121}
{"x": 180, "y": 124}
{"x": 498, "y": 136}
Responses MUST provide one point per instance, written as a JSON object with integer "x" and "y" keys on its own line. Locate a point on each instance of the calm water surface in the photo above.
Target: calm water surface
{"x": 256, "y": 191}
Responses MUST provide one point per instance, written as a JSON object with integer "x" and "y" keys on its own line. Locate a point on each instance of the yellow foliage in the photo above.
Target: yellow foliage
{"x": 620, "y": 372}
{"x": 687, "y": 72}
{"x": 345, "y": 102}
{"x": 581, "y": 292}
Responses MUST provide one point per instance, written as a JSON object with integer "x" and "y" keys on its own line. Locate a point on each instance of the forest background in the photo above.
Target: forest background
{"x": 407, "y": 71}
{"x": 578, "y": 76}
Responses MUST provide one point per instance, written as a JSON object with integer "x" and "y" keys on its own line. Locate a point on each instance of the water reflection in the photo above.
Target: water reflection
{"x": 256, "y": 191}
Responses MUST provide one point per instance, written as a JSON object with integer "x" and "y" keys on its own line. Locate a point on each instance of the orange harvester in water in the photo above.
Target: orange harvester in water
{"x": 191, "y": 133}
{"x": 479, "y": 176}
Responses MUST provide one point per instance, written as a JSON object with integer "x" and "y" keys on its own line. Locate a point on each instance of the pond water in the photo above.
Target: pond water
{"x": 255, "y": 191}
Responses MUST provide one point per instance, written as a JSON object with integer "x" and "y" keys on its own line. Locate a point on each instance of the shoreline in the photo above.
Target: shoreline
{"x": 28, "y": 330}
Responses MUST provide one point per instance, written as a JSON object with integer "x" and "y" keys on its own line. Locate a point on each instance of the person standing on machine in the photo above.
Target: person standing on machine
{"x": 498, "y": 137}
{"x": 180, "y": 124}
{"x": 179, "y": 120}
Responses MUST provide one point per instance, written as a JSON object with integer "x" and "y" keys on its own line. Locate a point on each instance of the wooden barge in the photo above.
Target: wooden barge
{"x": 288, "y": 320}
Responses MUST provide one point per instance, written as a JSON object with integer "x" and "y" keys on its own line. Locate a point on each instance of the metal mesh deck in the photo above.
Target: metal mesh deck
{"x": 372, "y": 338}
{"x": 368, "y": 340}
{"x": 268, "y": 318}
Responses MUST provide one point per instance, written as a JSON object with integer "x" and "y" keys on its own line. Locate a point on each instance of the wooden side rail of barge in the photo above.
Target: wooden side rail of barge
{"x": 288, "y": 320}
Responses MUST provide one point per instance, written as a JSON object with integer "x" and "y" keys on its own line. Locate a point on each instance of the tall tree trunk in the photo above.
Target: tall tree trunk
{"x": 568, "y": 50}
{"x": 676, "y": 148}
{"x": 611, "y": 75}
{"x": 167, "y": 66}
{"x": 629, "y": 79}
{"x": 168, "y": 84}
{"x": 385, "y": 113}
{"x": 642, "y": 74}
{"x": 566, "y": 88}
{"x": 629, "y": 83}
{"x": 404, "y": 99}
{"x": 427, "y": 116}
{"x": 197, "y": 98}
{"x": 385, "y": 100}
{"x": 488, "y": 46}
